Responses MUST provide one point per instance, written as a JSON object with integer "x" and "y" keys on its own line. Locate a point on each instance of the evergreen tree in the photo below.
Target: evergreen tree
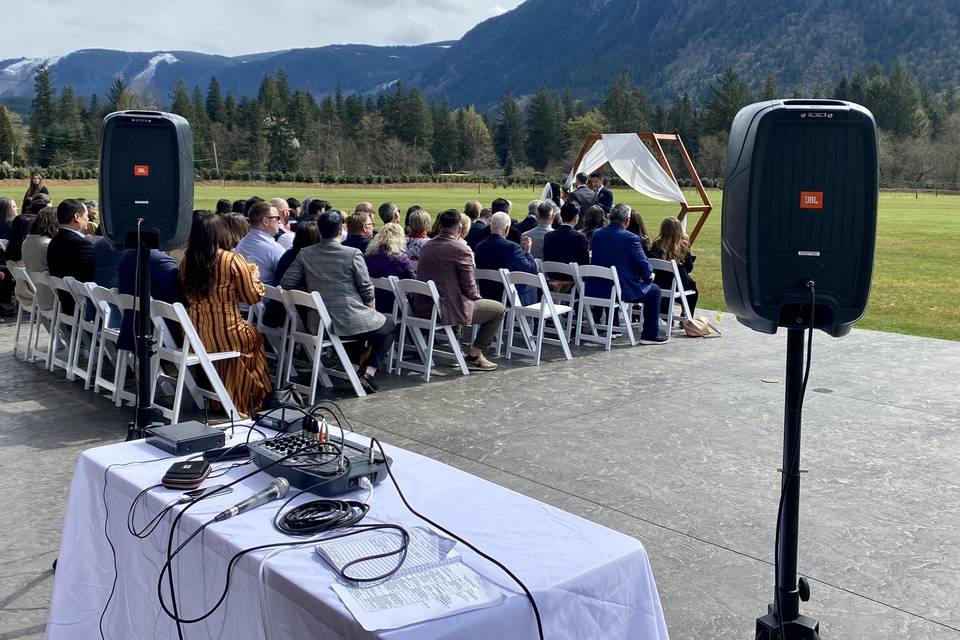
{"x": 476, "y": 143}
{"x": 8, "y": 141}
{"x": 230, "y": 110}
{"x": 902, "y": 114}
{"x": 119, "y": 96}
{"x": 180, "y": 102}
{"x": 446, "y": 138}
{"x": 269, "y": 97}
{"x": 68, "y": 129}
{"x": 685, "y": 120}
{"x": 624, "y": 106}
{"x": 214, "y": 102}
{"x": 730, "y": 94}
{"x": 92, "y": 124}
{"x": 510, "y": 138}
{"x": 353, "y": 111}
{"x": 41, "y": 147}
{"x": 284, "y": 92}
{"x": 769, "y": 90}
{"x": 543, "y": 130}
{"x": 200, "y": 126}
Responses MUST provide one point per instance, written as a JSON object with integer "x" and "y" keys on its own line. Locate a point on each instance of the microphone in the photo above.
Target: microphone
{"x": 273, "y": 491}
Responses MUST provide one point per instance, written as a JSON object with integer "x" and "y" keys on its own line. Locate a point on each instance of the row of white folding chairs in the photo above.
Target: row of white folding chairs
{"x": 94, "y": 324}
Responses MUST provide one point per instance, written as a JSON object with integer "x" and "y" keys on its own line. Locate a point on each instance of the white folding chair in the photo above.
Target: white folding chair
{"x": 675, "y": 293}
{"x": 569, "y": 297}
{"x": 87, "y": 329}
{"x": 64, "y": 331}
{"x": 386, "y": 286}
{"x": 108, "y": 308}
{"x": 493, "y": 275}
{"x": 274, "y": 338}
{"x": 611, "y": 305}
{"x": 191, "y": 353}
{"x": 313, "y": 345}
{"x": 25, "y": 307}
{"x": 41, "y": 316}
{"x": 539, "y": 312}
{"x": 415, "y": 327}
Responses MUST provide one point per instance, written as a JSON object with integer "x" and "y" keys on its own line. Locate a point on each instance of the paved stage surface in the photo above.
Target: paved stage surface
{"x": 676, "y": 445}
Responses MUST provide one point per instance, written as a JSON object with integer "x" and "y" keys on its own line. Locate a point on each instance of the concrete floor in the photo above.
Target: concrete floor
{"x": 676, "y": 445}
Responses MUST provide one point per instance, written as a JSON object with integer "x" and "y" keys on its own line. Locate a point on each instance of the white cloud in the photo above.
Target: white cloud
{"x": 233, "y": 27}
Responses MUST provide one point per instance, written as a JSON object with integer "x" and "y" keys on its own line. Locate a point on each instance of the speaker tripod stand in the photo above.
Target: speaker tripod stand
{"x": 785, "y": 612}
{"x": 143, "y": 240}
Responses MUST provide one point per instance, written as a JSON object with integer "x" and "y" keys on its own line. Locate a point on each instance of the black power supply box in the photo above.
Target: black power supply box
{"x": 185, "y": 438}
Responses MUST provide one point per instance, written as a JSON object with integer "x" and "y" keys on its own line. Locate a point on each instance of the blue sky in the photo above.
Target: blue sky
{"x": 38, "y": 28}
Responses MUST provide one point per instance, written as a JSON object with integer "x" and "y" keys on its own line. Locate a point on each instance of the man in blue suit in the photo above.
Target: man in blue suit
{"x": 604, "y": 195}
{"x": 496, "y": 252}
{"x": 614, "y": 246}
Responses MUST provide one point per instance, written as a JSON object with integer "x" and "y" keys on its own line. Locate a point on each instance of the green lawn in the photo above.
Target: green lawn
{"x": 916, "y": 286}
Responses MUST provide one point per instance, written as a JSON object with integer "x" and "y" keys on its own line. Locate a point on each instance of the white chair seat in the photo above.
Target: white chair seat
{"x": 518, "y": 315}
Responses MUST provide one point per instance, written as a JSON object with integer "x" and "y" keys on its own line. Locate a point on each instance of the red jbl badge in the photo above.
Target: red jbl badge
{"x": 811, "y": 199}
{"x": 141, "y": 170}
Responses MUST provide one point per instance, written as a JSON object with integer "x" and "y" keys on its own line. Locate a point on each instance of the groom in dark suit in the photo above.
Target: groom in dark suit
{"x": 70, "y": 253}
{"x": 604, "y": 195}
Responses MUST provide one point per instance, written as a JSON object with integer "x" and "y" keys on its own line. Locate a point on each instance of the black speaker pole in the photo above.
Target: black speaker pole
{"x": 788, "y": 592}
{"x": 146, "y": 416}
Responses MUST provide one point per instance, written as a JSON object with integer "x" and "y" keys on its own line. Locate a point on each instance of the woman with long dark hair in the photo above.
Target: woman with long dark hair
{"x": 34, "y": 250}
{"x": 34, "y": 187}
{"x": 18, "y": 232}
{"x": 215, "y": 282}
{"x": 673, "y": 244}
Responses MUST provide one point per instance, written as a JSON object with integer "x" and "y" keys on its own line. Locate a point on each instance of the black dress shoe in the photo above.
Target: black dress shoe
{"x": 366, "y": 381}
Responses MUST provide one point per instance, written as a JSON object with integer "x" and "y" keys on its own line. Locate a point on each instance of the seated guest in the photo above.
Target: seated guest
{"x": 545, "y": 213}
{"x": 339, "y": 274}
{"x": 531, "y": 220}
{"x": 215, "y": 282}
{"x": 284, "y": 235}
{"x": 385, "y": 257}
{"x": 472, "y": 208}
{"x": 70, "y": 252}
{"x": 8, "y": 212}
{"x": 359, "y": 230}
{"x": 496, "y": 252}
{"x": 566, "y": 244}
{"x": 223, "y": 207}
{"x": 614, "y": 246}
{"x": 39, "y": 201}
{"x": 464, "y": 227}
{"x": 237, "y": 228}
{"x": 307, "y": 234}
{"x": 419, "y": 226}
{"x": 239, "y": 206}
{"x": 19, "y": 230}
{"x": 388, "y": 213}
{"x": 294, "y": 205}
{"x": 164, "y": 286}
{"x": 636, "y": 226}
{"x": 93, "y": 212}
{"x": 479, "y": 230}
{"x": 316, "y": 207}
{"x": 604, "y": 195}
{"x": 106, "y": 263}
{"x": 499, "y": 205}
{"x": 672, "y": 244}
{"x": 594, "y": 219}
{"x": 449, "y": 263}
{"x": 258, "y": 246}
{"x": 410, "y": 211}
{"x": 34, "y": 250}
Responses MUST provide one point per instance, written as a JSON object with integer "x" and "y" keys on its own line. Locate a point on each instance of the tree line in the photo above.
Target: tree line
{"x": 289, "y": 134}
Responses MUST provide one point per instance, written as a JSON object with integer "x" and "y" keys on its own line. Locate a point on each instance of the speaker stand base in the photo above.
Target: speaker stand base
{"x": 802, "y": 628}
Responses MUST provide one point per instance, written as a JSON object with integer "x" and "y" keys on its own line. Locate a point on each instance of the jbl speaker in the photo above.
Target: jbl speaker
{"x": 800, "y": 205}
{"x": 146, "y": 172}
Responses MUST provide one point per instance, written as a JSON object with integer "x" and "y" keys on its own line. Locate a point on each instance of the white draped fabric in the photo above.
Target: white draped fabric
{"x": 633, "y": 162}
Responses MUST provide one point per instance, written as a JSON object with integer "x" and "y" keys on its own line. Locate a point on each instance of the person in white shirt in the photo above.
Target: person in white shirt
{"x": 258, "y": 246}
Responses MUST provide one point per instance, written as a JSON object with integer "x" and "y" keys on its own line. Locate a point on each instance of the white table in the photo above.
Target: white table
{"x": 588, "y": 581}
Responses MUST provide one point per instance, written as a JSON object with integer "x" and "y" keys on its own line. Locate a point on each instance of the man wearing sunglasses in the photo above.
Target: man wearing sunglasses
{"x": 258, "y": 246}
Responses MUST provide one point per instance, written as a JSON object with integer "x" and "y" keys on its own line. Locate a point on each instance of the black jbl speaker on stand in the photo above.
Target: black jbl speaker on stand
{"x": 146, "y": 202}
{"x": 798, "y": 236}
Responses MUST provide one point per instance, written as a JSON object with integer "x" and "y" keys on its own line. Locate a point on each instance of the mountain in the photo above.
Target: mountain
{"x": 355, "y": 68}
{"x": 669, "y": 46}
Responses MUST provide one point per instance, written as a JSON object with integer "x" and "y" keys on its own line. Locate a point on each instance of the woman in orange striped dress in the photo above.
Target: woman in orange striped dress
{"x": 215, "y": 282}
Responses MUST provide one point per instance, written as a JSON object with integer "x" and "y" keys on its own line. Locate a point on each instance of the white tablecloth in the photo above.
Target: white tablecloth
{"x": 589, "y": 582}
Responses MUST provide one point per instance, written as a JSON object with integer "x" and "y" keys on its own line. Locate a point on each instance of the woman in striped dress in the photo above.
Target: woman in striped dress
{"x": 215, "y": 282}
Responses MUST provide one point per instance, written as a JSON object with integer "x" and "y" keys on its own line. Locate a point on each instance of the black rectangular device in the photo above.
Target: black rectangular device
{"x": 185, "y": 438}
{"x": 800, "y": 205}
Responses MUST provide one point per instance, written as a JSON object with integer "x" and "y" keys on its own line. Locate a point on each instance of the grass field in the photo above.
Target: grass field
{"x": 916, "y": 285}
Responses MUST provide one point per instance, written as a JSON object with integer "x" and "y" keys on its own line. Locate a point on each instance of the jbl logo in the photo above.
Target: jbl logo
{"x": 811, "y": 199}
{"x": 141, "y": 170}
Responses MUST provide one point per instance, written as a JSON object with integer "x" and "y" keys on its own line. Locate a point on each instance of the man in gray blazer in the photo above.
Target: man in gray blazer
{"x": 339, "y": 274}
